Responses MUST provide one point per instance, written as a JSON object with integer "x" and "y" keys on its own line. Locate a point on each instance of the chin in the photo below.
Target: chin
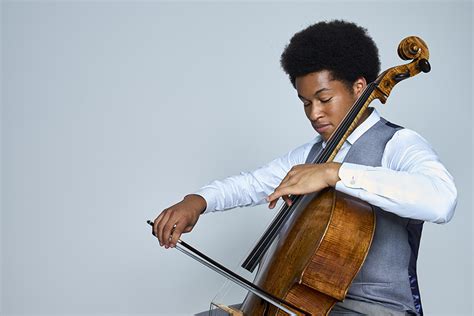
{"x": 324, "y": 136}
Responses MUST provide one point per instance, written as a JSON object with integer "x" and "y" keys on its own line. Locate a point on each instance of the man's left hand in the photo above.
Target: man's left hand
{"x": 303, "y": 179}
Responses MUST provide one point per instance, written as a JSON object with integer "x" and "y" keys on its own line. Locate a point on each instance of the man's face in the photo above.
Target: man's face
{"x": 326, "y": 101}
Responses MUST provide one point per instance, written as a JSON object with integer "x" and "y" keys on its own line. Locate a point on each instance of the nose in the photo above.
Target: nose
{"x": 314, "y": 111}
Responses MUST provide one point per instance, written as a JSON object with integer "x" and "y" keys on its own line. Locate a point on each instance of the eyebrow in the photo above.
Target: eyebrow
{"x": 315, "y": 94}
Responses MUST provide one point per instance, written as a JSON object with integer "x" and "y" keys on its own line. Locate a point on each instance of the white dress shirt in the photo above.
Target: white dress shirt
{"x": 411, "y": 182}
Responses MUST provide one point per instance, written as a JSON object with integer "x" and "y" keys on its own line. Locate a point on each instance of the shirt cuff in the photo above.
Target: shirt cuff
{"x": 209, "y": 196}
{"x": 352, "y": 175}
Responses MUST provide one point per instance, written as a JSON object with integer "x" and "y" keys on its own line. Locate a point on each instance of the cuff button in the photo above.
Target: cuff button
{"x": 353, "y": 181}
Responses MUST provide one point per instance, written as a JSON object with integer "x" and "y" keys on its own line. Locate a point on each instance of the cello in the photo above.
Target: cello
{"x": 313, "y": 249}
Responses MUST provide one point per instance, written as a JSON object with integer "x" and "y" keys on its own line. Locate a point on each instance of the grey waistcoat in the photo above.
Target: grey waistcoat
{"x": 388, "y": 276}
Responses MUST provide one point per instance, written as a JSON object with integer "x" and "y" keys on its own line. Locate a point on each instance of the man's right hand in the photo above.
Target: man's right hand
{"x": 177, "y": 219}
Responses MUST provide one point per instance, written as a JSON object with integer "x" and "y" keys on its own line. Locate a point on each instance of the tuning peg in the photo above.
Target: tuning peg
{"x": 424, "y": 65}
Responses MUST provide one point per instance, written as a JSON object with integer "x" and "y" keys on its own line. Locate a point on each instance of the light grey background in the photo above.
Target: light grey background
{"x": 112, "y": 111}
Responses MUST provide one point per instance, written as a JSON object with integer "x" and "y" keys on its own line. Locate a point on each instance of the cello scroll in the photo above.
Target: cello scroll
{"x": 411, "y": 47}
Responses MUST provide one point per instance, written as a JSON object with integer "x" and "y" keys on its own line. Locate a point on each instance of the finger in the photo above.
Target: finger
{"x": 279, "y": 192}
{"x": 175, "y": 234}
{"x": 287, "y": 200}
{"x": 161, "y": 226}
{"x": 156, "y": 223}
{"x": 168, "y": 231}
{"x": 272, "y": 204}
{"x": 288, "y": 180}
{"x": 273, "y": 196}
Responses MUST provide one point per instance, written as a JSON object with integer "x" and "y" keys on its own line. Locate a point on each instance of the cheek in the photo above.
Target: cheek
{"x": 339, "y": 110}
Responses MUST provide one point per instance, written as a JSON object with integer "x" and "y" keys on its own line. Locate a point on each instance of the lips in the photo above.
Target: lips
{"x": 322, "y": 127}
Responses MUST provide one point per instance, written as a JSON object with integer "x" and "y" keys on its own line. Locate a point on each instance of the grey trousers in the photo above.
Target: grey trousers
{"x": 346, "y": 308}
{"x": 353, "y": 307}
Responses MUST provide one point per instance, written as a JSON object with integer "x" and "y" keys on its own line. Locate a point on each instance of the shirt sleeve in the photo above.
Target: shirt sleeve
{"x": 251, "y": 188}
{"x": 411, "y": 182}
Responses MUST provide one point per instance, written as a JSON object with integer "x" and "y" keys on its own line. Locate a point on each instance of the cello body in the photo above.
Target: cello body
{"x": 315, "y": 258}
{"x": 325, "y": 241}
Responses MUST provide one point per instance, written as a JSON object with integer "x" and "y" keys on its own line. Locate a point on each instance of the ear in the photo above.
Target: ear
{"x": 359, "y": 86}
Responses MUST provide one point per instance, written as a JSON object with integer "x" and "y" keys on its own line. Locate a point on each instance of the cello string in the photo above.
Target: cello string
{"x": 232, "y": 276}
{"x": 341, "y": 131}
{"x": 214, "y": 265}
{"x": 347, "y": 121}
{"x": 275, "y": 227}
{"x": 262, "y": 244}
{"x": 281, "y": 218}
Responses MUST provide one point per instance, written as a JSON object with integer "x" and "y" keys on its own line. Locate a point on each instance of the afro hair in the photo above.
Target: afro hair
{"x": 343, "y": 48}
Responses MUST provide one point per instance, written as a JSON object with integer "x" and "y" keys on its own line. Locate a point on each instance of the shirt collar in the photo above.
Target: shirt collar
{"x": 370, "y": 121}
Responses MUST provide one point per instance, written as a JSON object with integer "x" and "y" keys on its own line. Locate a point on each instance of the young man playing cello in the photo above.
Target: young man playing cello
{"x": 330, "y": 64}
